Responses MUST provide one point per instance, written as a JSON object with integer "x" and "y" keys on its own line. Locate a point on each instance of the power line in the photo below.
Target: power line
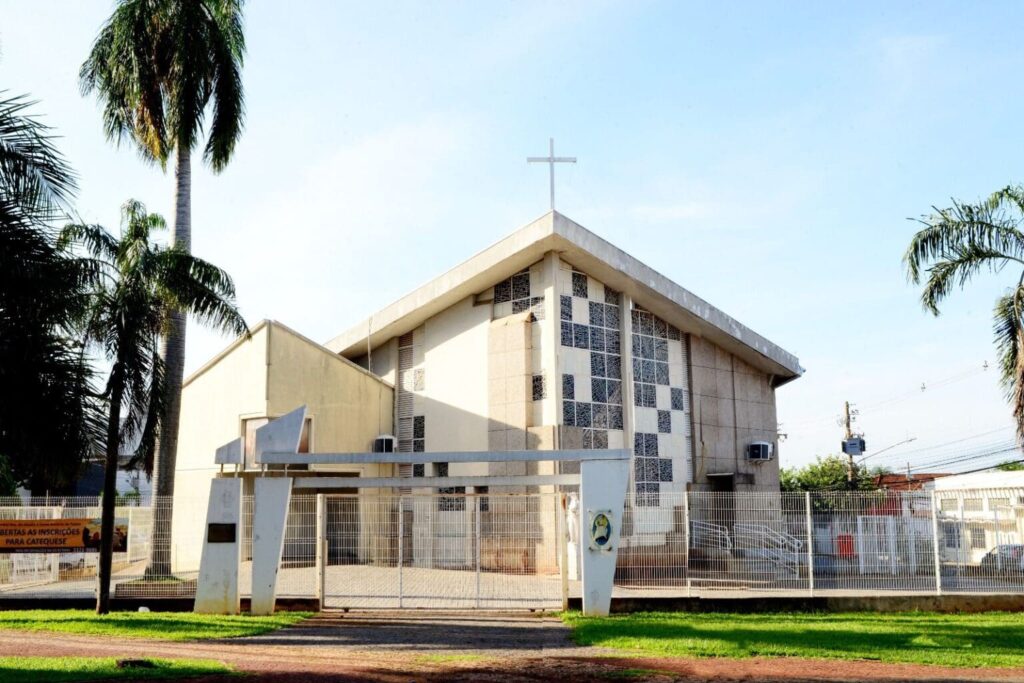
{"x": 944, "y": 456}
{"x": 966, "y": 458}
{"x": 992, "y": 467}
{"x": 925, "y": 386}
{"x": 947, "y": 449}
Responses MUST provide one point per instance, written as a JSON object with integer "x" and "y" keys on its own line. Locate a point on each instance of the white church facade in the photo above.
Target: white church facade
{"x": 551, "y": 339}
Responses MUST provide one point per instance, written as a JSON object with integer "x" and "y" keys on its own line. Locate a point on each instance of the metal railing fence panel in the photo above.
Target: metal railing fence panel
{"x": 501, "y": 550}
{"x": 868, "y": 542}
{"x": 823, "y": 543}
{"x": 981, "y": 540}
{"x": 448, "y": 551}
{"x": 73, "y": 574}
{"x": 361, "y": 537}
{"x": 518, "y": 551}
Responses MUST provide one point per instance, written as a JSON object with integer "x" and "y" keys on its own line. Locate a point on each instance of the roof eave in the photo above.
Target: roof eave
{"x": 670, "y": 301}
{"x": 591, "y": 254}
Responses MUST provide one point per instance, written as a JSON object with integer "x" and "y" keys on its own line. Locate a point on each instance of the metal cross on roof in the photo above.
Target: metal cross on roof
{"x": 551, "y": 160}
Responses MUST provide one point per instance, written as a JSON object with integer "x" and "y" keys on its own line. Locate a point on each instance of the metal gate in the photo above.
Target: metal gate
{"x": 440, "y": 551}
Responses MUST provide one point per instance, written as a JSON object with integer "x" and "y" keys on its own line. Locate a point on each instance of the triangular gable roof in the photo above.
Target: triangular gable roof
{"x": 591, "y": 254}
{"x": 273, "y": 325}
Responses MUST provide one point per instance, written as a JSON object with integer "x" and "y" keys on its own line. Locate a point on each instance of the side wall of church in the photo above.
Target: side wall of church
{"x": 734, "y": 405}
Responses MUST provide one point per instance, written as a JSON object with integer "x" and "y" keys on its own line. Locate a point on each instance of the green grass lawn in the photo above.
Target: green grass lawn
{"x": 60, "y": 669}
{"x": 161, "y": 625}
{"x": 965, "y": 640}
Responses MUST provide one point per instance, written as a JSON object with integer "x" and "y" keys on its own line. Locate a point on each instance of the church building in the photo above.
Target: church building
{"x": 552, "y": 338}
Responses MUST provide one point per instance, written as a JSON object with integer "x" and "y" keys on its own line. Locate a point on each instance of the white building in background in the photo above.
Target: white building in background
{"x": 979, "y": 511}
{"x": 551, "y": 338}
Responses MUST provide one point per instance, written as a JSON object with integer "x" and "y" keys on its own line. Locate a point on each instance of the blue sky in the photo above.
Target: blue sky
{"x": 764, "y": 155}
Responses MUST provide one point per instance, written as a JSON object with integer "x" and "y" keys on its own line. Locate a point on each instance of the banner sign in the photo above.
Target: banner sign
{"x": 58, "y": 535}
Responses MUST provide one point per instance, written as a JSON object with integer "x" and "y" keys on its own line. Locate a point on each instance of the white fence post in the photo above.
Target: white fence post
{"x": 320, "y": 550}
{"x": 935, "y": 545}
{"x": 563, "y": 549}
{"x": 963, "y": 550}
{"x": 810, "y": 543}
{"x": 477, "y": 498}
{"x": 995, "y": 531}
{"x": 686, "y": 523}
{"x": 55, "y": 559}
{"x": 401, "y": 546}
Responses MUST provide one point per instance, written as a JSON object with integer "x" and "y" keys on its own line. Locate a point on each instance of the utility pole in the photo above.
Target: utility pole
{"x": 852, "y": 445}
{"x": 847, "y": 437}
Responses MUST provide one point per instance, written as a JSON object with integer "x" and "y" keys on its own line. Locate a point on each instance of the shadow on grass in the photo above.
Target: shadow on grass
{"x": 161, "y": 625}
{"x": 61, "y": 669}
{"x": 435, "y": 636}
{"x": 954, "y": 640}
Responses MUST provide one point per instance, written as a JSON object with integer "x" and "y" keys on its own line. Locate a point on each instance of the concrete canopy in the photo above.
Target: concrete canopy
{"x": 591, "y": 254}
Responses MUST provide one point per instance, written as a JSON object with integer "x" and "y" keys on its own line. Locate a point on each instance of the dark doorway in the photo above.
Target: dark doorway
{"x": 723, "y": 504}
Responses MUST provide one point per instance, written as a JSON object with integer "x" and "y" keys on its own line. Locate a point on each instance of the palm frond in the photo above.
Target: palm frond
{"x": 960, "y": 264}
{"x": 155, "y": 67}
{"x": 95, "y": 238}
{"x": 992, "y": 224}
{"x": 227, "y": 52}
{"x": 202, "y": 290}
{"x": 1008, "y": 328}
{"x": 122, "y": 70}
{"x": 188, "y": 84}
{"x": 146, "y": 450}
{"x": 33, "y": 174}
{"x": 48, "y": 408}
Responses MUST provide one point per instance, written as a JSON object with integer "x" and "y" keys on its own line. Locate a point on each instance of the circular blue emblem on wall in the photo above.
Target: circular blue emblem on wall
{"x": 600, "y": 530}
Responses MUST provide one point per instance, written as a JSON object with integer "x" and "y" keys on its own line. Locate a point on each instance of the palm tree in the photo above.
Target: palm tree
{"x": 139, "y": 288}
{"x": 47, "y": 416}
{"x": 958, "y": 243}
{"x": 160, "y": 67}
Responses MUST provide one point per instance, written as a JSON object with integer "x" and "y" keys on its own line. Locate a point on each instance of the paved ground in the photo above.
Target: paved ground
{"x": 363, "y": 587}
{"x": 483, "y": 634}
{"x": 371, "y": 587}
{"x": 431, "y": 646}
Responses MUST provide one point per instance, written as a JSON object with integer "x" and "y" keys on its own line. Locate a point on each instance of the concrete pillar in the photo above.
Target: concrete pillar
{"x": 602, "y": 493}
{"x": 217, "y": 588}
{"x": 269, "y": 516}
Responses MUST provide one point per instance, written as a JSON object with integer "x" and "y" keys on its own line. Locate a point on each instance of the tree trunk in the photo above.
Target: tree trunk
{"x": 172, "y": 350}
{"x": 109, "y": 493}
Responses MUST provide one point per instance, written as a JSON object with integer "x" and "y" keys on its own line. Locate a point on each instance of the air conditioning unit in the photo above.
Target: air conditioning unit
{"x": 385, "y": 443}
{"x": 760, "y": 451}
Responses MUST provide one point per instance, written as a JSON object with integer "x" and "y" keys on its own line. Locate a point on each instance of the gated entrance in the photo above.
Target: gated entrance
{"x": 435, "y": 546}
{"x": 461, "y": 551}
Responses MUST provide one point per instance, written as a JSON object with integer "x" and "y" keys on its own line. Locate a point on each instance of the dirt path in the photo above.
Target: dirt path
{"x": 460, "y": 647}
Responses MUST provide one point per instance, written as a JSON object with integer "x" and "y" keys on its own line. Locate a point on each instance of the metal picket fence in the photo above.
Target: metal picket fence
{"x": 497, "y": 550}
{"x": 73, "y": 574}
{"x": 823, "y": 543}
{"x": 451, "y": 551}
